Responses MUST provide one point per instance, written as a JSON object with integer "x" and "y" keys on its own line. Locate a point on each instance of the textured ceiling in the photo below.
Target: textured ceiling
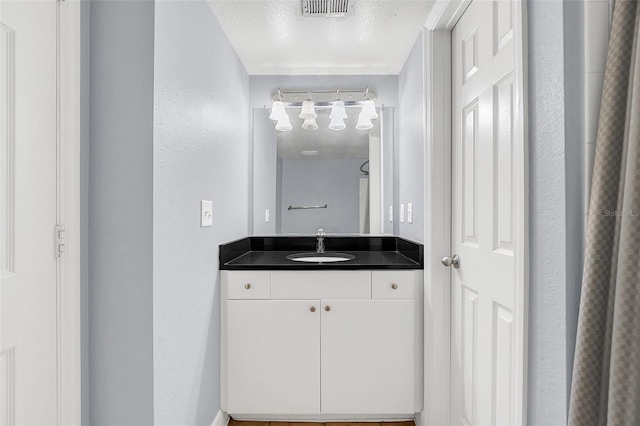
{"x": 330, "y": 144}
{"x": 272, "y": 37}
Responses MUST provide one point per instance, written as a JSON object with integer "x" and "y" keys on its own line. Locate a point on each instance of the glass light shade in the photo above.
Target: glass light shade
{"x": 364, "y": 122}
{"x": 308, "y": 110}
{"x": 310, "y": 124}
{"x": 284, "y": 124}
{"x": 369, "y": 109}
{"x": 338, "y": 111}
{"x": 277, "y": 110}
{"x": 337, "y": 124}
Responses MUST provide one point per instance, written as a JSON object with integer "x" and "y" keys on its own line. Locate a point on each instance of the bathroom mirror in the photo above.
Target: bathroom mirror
{"x": 338, "y": 180}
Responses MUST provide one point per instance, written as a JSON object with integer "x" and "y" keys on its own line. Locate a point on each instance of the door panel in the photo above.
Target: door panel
{"x": 469, "y": 176}
{"x": 503, "y": 166}
{"x": 469, "y": 352}
{"x": 273, "y": 357}
{"x": 483, "y": 342}
{"x": 28, "y": 209}
{"x": 502, "y": 391}
{"x": 368, "y": 356}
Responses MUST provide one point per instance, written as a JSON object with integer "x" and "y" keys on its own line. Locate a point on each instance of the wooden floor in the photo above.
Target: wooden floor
{"x": 233, "y": 422}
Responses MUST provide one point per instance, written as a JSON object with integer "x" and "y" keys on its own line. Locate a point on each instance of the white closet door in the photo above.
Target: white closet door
{"x": 483, "y": 344}
{"x": 28, "y": 127}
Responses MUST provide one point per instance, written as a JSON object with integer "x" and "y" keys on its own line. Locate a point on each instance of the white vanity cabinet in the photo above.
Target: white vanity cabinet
{"x": 321, "y": 344}
{"x": 367, "y": 357}
{"x": 273, "y": 363}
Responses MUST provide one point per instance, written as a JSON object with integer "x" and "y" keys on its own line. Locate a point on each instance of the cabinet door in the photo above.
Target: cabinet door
{"x": 368, "y": 356}
{"x": 273, "y": 356}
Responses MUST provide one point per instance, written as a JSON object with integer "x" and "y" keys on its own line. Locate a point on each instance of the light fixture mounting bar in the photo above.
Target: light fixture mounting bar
{"x": 323, "y": 97}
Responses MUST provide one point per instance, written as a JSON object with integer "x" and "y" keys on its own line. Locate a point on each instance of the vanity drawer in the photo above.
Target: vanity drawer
{"x": 321, "y": 285}
{"x": 394, "y": 284}
{"x": 249, "y": 285}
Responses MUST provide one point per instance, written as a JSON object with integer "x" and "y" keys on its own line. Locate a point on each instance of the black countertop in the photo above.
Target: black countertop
{"x": 270, "y": 253}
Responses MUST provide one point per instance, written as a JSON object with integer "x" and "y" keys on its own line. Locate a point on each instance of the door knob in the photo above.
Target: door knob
{"x": 451, "y": 261}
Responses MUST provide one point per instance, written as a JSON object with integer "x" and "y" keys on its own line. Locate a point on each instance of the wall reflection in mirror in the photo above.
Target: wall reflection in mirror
{"x": 339, "y": 180}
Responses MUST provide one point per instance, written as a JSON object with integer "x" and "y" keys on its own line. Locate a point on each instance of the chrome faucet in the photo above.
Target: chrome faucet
{"x": 320, "y": 236}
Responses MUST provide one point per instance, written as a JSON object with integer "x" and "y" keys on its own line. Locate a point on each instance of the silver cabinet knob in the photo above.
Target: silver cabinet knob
{"x": 394, "y": 286}
{"x": 312, "y": 309}
{"x": 451, "y": 261}
{"x": 247, "y": 286}
{"x": 327, "y": 308}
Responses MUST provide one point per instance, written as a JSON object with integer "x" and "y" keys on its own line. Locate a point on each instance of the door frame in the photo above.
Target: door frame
{"x": 68, "y": 322}
{"x": 437, "y": 304}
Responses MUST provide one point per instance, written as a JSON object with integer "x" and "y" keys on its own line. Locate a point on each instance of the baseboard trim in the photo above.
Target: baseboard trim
{"x": 420, "y": 420}
{"x": 221, "y": 419}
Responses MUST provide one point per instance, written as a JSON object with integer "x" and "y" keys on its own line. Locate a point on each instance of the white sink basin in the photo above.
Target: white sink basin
{"x": 320, "y": 257}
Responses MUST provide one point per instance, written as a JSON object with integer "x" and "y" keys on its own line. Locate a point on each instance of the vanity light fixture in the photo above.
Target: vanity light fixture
{"x": 308, "y": 110}
{"x": 310, "y": 124}
{"x": 337, "y": 124}
{"x": 367, "y": 114}
{"x": 279, "y": 114}
{"x": 277, "y": 110}
{"x": 337, "y": 116}
{"x": 284, "y": 124}
{"x": 369, "y": 109}
{"x": 337, "y": 100}
{"x": 364, "y": 122}
{"x": 309, "y": 115}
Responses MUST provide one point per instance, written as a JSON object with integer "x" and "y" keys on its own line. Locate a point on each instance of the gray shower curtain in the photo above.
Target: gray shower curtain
{"x": 606, "y": 377}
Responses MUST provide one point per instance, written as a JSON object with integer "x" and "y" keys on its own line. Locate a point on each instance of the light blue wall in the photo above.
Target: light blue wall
{"x": 264, "y": 173}
{"x": 263, "y": 86}
{"x": 555, "y": 203}
{"x": 411, "y": 119}
{"x": 574, "y": 167}
{"x": 389, "y": 170}
{"x": 201, "y": 151}
{"x": 120, "y": 268}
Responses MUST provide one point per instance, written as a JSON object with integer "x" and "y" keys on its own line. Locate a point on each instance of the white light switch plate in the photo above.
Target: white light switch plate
{"x": 410, "y": 212}
{"x": 390, "y": 213}
{"x": 266, "y": 215}
{"x": 206, "y": 213}
{"x": 401, "y": 213}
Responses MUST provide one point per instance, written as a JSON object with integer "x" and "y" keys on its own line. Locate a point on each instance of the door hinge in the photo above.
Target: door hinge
{"x": 60, "y": 240}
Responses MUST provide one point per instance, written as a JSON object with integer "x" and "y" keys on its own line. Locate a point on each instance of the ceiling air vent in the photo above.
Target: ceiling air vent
{"x": 327, "y": 8}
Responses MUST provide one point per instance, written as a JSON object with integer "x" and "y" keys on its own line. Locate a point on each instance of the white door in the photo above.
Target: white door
{"x": 28, "y": 125}
{"x": 483, "y": 342}
{"x": 273, "y": 357}
{"x": 368, "y": 356}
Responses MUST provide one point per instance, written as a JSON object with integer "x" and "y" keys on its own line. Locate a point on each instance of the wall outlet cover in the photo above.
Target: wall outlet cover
{"x": 266, "y": 216}
{"x": 401, "y": 213}
{"x": 390, "y": 213}
{"x": 410, "y": 212}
